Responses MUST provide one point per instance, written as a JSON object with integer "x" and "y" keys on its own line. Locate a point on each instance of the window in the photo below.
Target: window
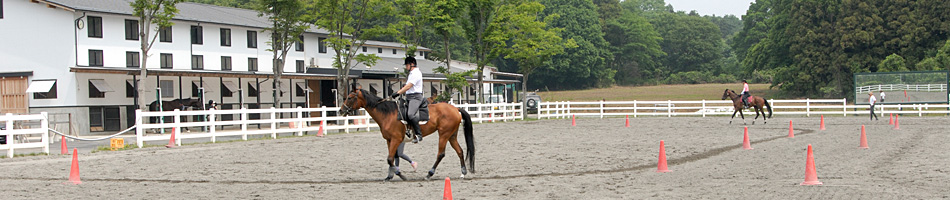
{"x": 130, "y": 88}
{"x": 195, "y": 89}
{"x": 165, "y": 34}
{"x": 300, "y": 67}
{"x": 95, "y": 58}
{"x": 94, "y": 91}
{"x": 95, "y": 26}
{"x": 300, "y": 92}
{"x": 196, "y": 35}
{"x": 252, "y": 64}
{"x": 225, "y": 63}
{"x": 299, "y": 43}
{"x": 104, "y": 119}
{"x": 225, "y": 91}
{"x": 166, "y": 61}
{"x": 132, "y": 59}
{"x": 168, "y": 88}
{"x": 251, "y": 39}
{"x": 364, "y": 49}
{"x": 322, "y": 43}
{"x": 225, "y": 37}
{"x": 131, "y": 29}
{"x": 51, "y": 94}
{"x": 252, "y": 90}
{"x": 197, "y": 62}
{"x": 394, "y": 51}
{"x": 380, "y": 50}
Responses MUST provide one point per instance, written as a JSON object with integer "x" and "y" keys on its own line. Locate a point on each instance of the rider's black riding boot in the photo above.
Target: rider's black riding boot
{"x": 416, "y": 130}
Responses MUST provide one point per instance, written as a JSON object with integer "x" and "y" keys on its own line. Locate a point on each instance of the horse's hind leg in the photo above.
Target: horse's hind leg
{"x": 438, "y": 159}
{"x": 458, "y": 150}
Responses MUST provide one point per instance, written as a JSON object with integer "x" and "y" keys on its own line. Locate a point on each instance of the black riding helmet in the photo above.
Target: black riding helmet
{"x": 410, "y": 60}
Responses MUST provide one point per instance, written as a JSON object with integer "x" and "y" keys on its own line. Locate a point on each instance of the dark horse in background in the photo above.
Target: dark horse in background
{"x": 443, "y": 117}
{"x": 755, "y": 102}
{"x": 180, "y": 104}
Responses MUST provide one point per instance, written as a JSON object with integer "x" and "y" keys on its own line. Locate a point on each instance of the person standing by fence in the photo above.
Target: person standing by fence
{"x": 882, "y": 96}
{"x": 872, "y": 100}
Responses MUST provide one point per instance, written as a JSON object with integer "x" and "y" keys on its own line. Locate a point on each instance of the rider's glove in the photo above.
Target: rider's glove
{"x": 394, "y": 96}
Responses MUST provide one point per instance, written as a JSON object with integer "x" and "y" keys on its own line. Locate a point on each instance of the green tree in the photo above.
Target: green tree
{"x": 347, "y": 22}
{"x": 245, "y": 4}
{"x": 287, "y": 26}
{"x": 580, "y": 67}
{"x": 634, "y": 44}
{"x": 893, "y": 63}
{"x": 160, "y": 13}
{"x": 535, "y": 43}
{"x": 690, "y": 42}
{"x": 940, "y": 61}
{"x": 483, "y": 22}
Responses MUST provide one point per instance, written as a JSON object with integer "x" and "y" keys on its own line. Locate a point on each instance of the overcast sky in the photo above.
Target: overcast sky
{"x": 712, "y": 7}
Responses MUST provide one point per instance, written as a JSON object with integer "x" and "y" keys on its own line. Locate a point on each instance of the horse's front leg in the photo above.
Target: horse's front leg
{"x": 756, "y": 110}
{"x": 733, "y": 116}
{"x": 743, "y": 116}
{"x": 438, "y": 159}
{"x": 393, "y": 146}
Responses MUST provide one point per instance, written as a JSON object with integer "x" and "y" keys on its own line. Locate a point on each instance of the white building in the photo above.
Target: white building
{"x": 80, "y": 57}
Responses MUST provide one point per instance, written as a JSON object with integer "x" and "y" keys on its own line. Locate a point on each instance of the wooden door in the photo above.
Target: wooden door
{"x": 13, "y": 97}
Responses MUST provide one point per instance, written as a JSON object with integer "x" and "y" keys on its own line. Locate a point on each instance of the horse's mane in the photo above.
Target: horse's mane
{"x": 372, "y": 101}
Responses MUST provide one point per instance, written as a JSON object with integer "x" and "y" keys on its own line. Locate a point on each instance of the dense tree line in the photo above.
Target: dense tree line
{"x": 813, "y": 47}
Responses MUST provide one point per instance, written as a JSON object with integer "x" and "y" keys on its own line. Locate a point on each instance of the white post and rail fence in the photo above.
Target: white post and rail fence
{"x": 297, "y": 121}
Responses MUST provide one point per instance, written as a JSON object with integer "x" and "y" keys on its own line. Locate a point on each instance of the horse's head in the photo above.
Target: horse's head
{"x": 725, "y": 94}
{"x": 353, "y": 102}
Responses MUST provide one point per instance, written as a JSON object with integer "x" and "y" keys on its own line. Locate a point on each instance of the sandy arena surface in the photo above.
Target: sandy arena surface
{"x": 546, "y": 159}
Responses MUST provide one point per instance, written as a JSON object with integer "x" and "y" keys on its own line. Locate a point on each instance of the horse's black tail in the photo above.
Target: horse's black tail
{"x": 768, "y": 105}
{"x": 469, "y": 138}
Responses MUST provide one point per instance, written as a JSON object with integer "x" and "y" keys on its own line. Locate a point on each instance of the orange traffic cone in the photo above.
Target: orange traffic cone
{"x": 573, "y": 120}
{"x": 822, "y": 126}
{"x": 74, "y": 169}
{"x": 62, "y": 147}
{"x": 791, "y": 132}
{"x": 864, "y": 139}
{"x": 661, "y": 165}
{"x": 171, "y": 141}
{"x": 811, "y": 176}
{"x": 745, "y": 140}
{"x": 891, "y": 121}
{"x": 627, "y": 121}
{"x": 320, "y": 132}
{"x": 447, "y": 193}
{"x": 897, "y": 122}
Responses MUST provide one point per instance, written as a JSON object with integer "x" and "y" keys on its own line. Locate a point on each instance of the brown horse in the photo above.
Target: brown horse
{"x": 443, "y": 117}
{"x": 757, "y": 103}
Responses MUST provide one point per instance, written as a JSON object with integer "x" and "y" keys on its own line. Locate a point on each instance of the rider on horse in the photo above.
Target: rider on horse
{"x": 413, "y": 91}
{"x": 745, "y": 93}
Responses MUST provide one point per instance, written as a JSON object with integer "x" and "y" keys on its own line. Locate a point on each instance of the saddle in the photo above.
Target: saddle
{"x": 403, "y": 114}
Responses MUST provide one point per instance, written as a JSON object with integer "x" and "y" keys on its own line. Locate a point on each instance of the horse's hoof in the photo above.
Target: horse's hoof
{"x": 462, "y": 176}
{"x": 730, "y": 122}
{"x": 388, "y": 179}
{"x": 403, "y": 177}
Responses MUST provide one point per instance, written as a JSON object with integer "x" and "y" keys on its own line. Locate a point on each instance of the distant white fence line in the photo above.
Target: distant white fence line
{"x": 284, "y": 120}
{"x": 15, "y": 125}
{"x": 807, "y": 107}
{"x": 901, "y": 87}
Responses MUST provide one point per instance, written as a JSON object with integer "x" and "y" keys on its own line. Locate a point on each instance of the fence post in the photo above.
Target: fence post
{"x": 568, "y": 108}
{"x": 323, "y": 119}
{"x": 807, "y": 109}
{"x": 704, "y": 108}
{"x": 244, "y": 123}
{"x": 10, "y": 140}
{"x": 177, "y": 132}
{"x": 44, "y": 124}
{"x": 844, "y": 106}
{"x": 299, "y": 121}
{"x": 366, "y": 121}
{"x": 601, "y": 109}
{"x": 669, "y": 108}
{"x": 634, "y": 108}
{"x": 273, "y": 123}
{"x": 138, "y": 128}
{"x": 211, "y": 119}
